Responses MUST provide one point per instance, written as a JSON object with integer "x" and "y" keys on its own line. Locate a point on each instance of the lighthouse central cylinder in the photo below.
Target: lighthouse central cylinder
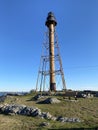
{"x": 52, "y": 62}
{"x": 51, "y": 23}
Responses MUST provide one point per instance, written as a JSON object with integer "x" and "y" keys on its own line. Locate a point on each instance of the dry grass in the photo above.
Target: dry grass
{"x": 85, "y": 109}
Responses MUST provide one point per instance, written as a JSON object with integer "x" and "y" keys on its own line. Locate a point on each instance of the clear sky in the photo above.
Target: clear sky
{"x": 22, "y": 28}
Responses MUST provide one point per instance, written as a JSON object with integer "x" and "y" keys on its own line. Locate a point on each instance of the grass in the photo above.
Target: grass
{"x": 85, "y": 109}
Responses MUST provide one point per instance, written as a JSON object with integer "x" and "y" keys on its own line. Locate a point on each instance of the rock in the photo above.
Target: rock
{"x": 45, "y": 124}
{"x": 2, "y": 98}
{"x": 66, "y": 119}
{"x": 61, "y": 119}
{"x": 37, "y": 112}
{"x": 53, "y": 118}
{"x": 46, "y": 115}
{"x": 25, "y": 111}
{"x": 77, "y": 120}
{"x": 38, "y": 96}
{"x": 12, "y": 114}
{"x": 51, "y": 101}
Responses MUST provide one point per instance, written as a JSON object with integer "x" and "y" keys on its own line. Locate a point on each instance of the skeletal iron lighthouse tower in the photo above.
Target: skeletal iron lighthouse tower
{"x": 50, "y": 64}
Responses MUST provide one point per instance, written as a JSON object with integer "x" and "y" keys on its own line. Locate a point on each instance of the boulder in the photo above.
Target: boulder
{"x": 37, "y": 112}
{"x": 66, "y": 119}
{"x": 51, "y": 101}
{"x": 53, "y": 118}
{"x": 46, "y": 115}
{"x": 45, "y": 124}
{"x": 38, "y": 96}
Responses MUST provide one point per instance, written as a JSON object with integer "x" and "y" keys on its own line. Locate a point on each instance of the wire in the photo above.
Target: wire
{"x": 82, "y": 67}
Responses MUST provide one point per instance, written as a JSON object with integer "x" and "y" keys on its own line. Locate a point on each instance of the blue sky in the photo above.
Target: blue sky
{"x": 22, "y": 28}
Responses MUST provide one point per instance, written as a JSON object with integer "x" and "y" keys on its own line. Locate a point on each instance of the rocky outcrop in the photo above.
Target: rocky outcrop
{"x": 2, "y": 98}
{"x": 38, "y": 96}
{"x": 16, "y": 109}
{"x": 66, "y": 119}
{"x": 50, "y": 101}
